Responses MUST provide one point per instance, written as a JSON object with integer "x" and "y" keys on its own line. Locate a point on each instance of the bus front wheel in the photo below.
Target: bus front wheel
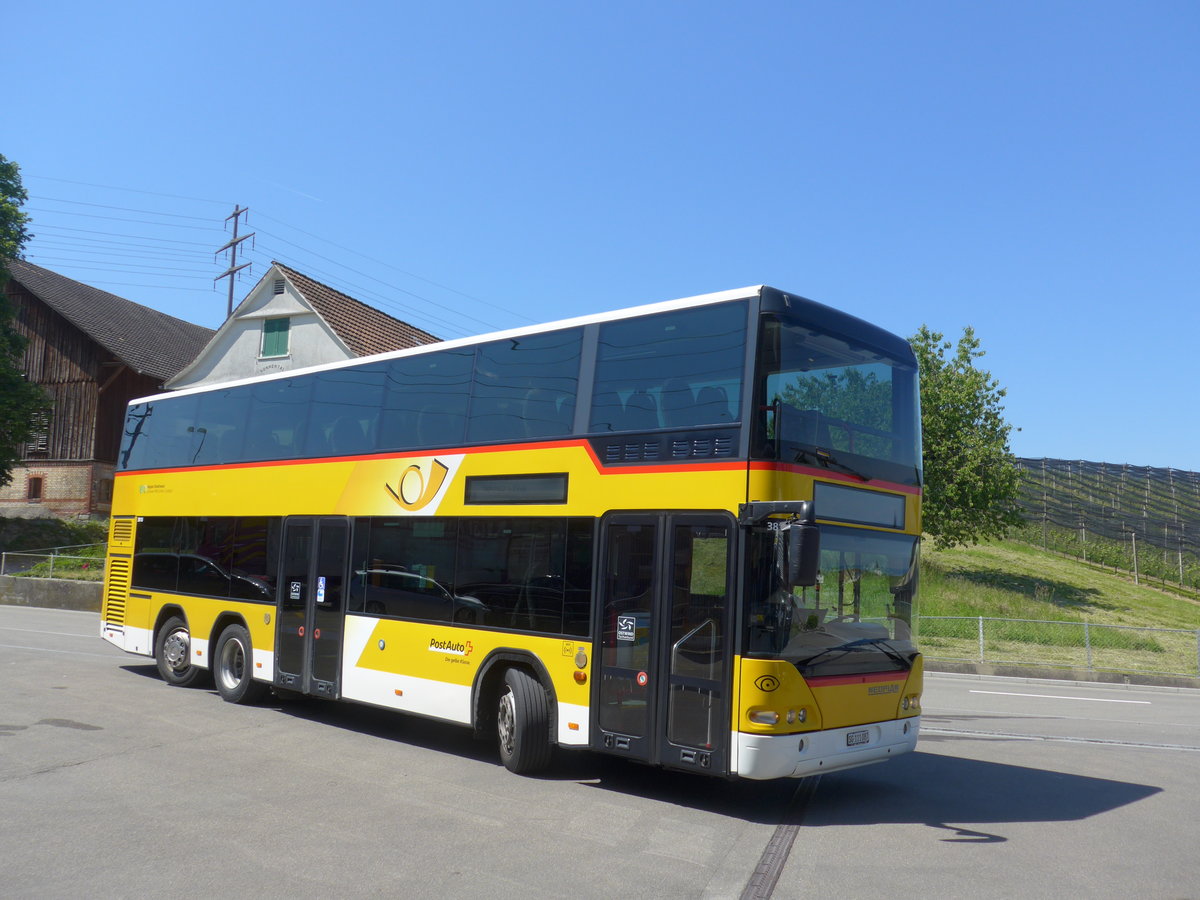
{"x": 173, "y": 654}
{"x": 234, "y": 668}
{"x": 523, "y": 724}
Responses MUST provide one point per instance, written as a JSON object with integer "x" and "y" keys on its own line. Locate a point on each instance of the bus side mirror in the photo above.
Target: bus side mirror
{"x": 803, "y": 553}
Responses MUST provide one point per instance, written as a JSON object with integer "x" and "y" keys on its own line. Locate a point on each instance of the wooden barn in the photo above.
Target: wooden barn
{"x": 92, "y": 352}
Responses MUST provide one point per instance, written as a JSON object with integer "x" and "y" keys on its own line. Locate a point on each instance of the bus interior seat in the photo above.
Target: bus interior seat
{"x": 608, "y": 412}
{"x": 641, "y": 412}
{"x": 678, "y": 403}
{"x": 712, "y": 406}
{"x": 541, "y": 414}
{"x": 346, "y": 436}
{"x": 261, "y": 443}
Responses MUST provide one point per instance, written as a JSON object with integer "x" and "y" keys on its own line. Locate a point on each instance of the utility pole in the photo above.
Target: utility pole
{"x": 232, "y": 247}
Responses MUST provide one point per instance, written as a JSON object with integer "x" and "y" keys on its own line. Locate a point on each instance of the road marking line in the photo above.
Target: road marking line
{"x": 1057, "y": 697}
{"x": 1015, "y": 736}
{"x": 89, "y": 634}
{"x": 67, "y": 652}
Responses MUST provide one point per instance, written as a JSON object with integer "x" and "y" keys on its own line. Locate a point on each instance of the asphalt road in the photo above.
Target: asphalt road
{"x": 113, "y": 784}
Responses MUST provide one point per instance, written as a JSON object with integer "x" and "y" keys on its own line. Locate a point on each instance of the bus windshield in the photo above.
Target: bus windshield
{"x": 833, "y": 403}
{"x": 859, "y": 617}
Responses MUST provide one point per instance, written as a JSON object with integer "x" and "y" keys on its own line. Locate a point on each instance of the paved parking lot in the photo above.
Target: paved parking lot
{"x": 114, "y": 784}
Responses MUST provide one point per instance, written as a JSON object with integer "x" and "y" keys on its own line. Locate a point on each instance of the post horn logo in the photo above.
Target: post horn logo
{"x": 414, "y": 490}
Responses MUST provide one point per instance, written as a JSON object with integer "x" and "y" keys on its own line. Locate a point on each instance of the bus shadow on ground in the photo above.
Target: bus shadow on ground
{"x": 918, "y": 788}
{"x": 936, "y": 790}
{"x": 762, "y": 802}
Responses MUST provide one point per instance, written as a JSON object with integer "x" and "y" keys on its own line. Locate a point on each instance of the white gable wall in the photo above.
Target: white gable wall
{"x": 234, "y": 352}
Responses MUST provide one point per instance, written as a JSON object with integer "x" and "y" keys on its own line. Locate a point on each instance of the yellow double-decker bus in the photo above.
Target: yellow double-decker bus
{"x": 683, "y": 533}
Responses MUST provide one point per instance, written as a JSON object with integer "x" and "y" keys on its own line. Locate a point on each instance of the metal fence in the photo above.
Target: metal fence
{"x": 54, "y": 562}
{"x": 1075, "y": 645}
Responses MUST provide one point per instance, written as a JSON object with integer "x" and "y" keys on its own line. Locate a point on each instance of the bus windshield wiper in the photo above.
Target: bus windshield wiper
{"x": 861, "y": 644}
{"x": 822, "y": 457}
{"x": 825, "y": 458}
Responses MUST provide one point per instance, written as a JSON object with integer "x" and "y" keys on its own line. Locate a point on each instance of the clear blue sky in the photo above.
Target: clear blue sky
{"x": 1026, "y": 168}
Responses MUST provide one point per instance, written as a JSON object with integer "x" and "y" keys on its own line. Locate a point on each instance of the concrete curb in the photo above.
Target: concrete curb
{"x": 1050, "y": 673}
{"x": 51, "y": 593}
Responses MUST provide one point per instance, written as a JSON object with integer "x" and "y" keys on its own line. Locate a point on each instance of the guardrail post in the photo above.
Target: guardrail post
{"x": 1087, "y": 642}
{"x": 1198, "y": 651}
{"x": 981, "y": 638}
{"x": 3, "y": 563}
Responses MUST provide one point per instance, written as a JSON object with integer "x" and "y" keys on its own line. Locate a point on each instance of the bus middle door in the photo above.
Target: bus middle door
{"x": 311, "y": 605}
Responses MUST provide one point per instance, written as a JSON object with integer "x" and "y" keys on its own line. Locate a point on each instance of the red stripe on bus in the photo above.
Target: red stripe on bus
{"x": 870, "y": 678}
{"x": 829, "y": 475}
{"x": 465, "y": 451}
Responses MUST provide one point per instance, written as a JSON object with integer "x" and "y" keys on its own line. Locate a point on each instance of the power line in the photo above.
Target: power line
{"x": 301, "y": 265}
{"x": 151, "y": 212}
{"x": 119, "y": 267}
{"x": 156, "y": 287}
{"x": 398, "y": 269}
{"x": 60, "y": 212}
{"x": 111, "y": 252}
{"x": 363, "y": 293}
{"x": 41, "y": 226}
{"x": 380, "y": 280}
{"x": 110, "y": 187}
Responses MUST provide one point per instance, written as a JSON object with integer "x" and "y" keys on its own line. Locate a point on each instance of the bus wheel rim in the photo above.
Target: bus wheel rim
{"x": 506, "y": 722}
{"x": 233, "y": 663}
{"x": 175, "y": 649}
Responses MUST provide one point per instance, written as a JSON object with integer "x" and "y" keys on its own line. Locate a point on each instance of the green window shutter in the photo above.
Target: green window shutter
{"x": 275, "y": 337}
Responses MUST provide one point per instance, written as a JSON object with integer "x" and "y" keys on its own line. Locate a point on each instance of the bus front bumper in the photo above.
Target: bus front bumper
{"x": 763, "y": 756}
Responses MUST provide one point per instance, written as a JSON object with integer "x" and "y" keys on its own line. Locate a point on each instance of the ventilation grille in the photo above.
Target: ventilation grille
{"x": 702, "y": 447}
{"x": 122, "y": 531}
{"x": 277, "y": 288}
{"x": 116, "y": 591}
{"x": 712, "y": 445}
{"x": 631, "y": 451}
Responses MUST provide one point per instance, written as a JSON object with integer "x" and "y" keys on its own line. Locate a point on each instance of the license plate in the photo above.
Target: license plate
{"x": 854, "y": 738}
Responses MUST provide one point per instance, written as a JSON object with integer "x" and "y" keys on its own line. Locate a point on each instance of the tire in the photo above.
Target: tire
{"x": 173, "y": 654}
{"x": 233, "y": 667}
{"x": 523, "y": 724}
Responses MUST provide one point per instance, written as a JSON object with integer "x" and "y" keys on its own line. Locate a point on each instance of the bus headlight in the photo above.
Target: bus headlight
{"x": 763, "y": 716}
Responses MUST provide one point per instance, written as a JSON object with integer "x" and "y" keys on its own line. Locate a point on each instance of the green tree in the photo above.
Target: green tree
{"x": 20, "y": 401}
{"x": 971, "y": 476}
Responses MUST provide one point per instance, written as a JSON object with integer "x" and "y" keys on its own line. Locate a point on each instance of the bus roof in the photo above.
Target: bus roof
{"x": 594, "y": 318}
{"x": 574, "y": 322}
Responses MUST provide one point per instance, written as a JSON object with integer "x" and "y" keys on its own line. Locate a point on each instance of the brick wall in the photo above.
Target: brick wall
{"x": 67, "y": 490}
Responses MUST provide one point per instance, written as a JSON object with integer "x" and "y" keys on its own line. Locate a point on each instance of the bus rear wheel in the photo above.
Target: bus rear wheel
{"x": 523, "y": 724}
{"x": 234, "y": 668}
{"x": 173, "y": 654}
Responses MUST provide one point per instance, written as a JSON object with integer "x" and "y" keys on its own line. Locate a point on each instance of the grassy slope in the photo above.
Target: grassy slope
{"x": 1017, "y": 581}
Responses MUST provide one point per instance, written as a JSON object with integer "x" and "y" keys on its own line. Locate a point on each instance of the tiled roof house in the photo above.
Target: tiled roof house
{"x": 290, "y": 321}
{"x": 92, "y": 352}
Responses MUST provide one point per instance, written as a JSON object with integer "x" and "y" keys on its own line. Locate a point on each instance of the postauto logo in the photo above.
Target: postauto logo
{"x": 454, "y": 648}
{"x": 416, "y": 489}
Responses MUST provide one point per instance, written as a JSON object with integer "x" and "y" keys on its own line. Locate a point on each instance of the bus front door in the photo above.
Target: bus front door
{"x": 663, "y": 640}
{"x": 311, "y": 605}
